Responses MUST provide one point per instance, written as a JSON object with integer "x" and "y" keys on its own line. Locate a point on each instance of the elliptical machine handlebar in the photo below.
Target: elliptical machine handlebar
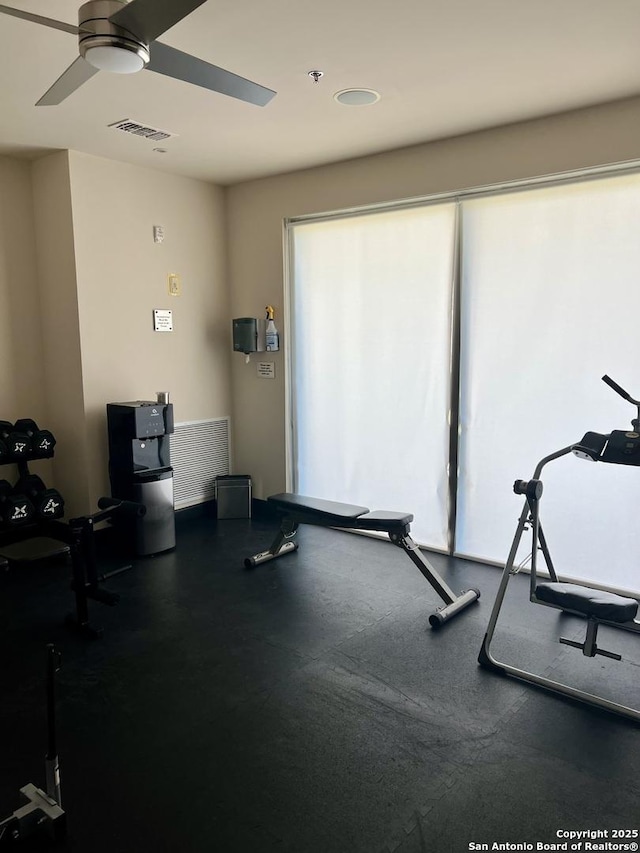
{"x": 625, "y": 396}
{"x": 620, "y": 390}
{"x": 620, "y": 447}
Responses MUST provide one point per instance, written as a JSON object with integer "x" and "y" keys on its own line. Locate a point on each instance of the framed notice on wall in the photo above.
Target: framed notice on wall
{"x": 162, "y": 320}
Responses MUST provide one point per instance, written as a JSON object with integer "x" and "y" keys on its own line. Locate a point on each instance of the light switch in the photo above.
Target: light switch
{"x": 174, "y": 286}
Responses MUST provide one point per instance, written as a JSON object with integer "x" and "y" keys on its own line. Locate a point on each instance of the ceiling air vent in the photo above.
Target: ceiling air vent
{"x": 138, "y": 129}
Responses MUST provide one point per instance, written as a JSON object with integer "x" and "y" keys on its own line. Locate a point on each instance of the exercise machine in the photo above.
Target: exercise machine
{"x": 297, "y": 509}
{"x": 78, "y": 536}
{"x": 41, "y": 810}
{"x": 86, "y": 579}
{"x": 620, "y": 447}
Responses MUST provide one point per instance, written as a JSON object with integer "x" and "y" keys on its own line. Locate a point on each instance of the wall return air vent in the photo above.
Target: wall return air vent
{"x": 128, "y": 125}
{"x": 200, "y": 452}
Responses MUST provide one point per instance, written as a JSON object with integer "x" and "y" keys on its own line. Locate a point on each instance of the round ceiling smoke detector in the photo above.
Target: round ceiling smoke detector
{"x": 357, "y": 97}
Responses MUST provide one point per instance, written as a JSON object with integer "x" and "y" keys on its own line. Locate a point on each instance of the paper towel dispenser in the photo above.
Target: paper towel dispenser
{"x": 249, "y": 335}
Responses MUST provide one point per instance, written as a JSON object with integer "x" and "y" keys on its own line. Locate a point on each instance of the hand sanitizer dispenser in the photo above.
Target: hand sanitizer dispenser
{"x": 272, "y": 338}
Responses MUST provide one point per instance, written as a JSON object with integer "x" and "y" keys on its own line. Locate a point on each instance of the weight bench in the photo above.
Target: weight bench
{"x": 297, "y": 509}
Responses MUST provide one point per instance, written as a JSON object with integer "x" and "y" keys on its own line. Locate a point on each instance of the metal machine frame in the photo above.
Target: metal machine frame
{"x": 598, "y": 608}
{"x": 41, "y": 810}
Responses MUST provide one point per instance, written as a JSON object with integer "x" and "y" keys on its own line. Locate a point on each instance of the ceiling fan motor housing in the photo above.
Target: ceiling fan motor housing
{"x": 97, "y": 31}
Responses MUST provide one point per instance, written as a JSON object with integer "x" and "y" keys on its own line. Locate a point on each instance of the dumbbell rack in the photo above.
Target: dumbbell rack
{"x": 20, "y": 443}
{"x": 77, "y": 535}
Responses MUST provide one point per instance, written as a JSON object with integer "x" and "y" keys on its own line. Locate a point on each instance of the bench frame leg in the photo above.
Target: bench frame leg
{"x": 453, "y": 603}
{"x": 284, "y": 543}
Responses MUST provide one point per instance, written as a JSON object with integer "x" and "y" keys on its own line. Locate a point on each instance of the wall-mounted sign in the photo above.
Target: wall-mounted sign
{"x": 266, "y": 369}
{"x": 162, "y": 320}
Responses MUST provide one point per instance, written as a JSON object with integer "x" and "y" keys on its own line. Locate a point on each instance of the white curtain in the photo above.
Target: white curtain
{"x": 371, "y": 317}
{"x": 550, "y": 303}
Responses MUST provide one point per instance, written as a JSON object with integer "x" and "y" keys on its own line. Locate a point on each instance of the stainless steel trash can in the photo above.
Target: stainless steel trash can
{"x": 233, "y": 496}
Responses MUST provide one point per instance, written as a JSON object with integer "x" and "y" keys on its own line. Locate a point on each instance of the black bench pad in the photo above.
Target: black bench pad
{"x": 592, "y": 602}
{"x": 383, "y": 521}
{"x": 316, "y": 506}
{"x": 334, "y": 514}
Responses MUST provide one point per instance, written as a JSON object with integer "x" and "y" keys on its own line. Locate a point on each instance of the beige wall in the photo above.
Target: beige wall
{"x": 256, "y": 211}
{"x": 21, "y": 378}
{"x": 60, "y": 332}
{"x": 122, "y": 277}
{"x": 22, "y": 386}
{"x": 79, "y": 278}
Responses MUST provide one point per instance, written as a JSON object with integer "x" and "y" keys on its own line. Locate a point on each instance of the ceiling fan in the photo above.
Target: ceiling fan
{"x": 117, "y": 36}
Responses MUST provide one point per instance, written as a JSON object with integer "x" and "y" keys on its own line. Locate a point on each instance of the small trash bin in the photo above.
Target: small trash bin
{"x": 233, "y": 496}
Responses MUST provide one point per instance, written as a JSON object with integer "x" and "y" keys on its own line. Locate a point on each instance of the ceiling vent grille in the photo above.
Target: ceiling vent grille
{"x": 138, "y": 129}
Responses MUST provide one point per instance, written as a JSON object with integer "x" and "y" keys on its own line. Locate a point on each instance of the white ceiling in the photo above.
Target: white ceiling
{"x": 442, "y": 67}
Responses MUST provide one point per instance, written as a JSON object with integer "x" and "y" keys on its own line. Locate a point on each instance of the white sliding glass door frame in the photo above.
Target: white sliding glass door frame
{"x": 609, "y": 402}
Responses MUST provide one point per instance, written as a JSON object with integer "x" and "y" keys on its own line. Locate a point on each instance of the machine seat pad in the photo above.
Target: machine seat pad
{"x": 384, "y": 521}
{"x": 591, "y": 602}
{"x": 316, "y": 507}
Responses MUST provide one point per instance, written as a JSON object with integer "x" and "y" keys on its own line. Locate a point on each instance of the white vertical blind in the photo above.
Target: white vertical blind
{"x": 550, "y": 303}
{"x": 371, "y": 302}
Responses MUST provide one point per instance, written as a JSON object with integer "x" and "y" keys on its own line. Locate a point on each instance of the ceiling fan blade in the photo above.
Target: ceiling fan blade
{"x": 38, "y": 19}
{"x": 148, "y": 19}
{"x": 174, "y": 63}
{"x": 70, "y": 80}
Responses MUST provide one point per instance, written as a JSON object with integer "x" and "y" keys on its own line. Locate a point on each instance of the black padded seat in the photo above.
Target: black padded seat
{"x": 297, "y": 504}
{"x": 591, "y": 602}
{"x": 334, "y": 514}
{"x": 386, "y": 522}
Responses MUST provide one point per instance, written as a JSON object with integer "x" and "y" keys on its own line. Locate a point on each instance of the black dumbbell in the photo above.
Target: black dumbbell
{"x": 15, "y": 509}
{"x": 17, "y": 443}
{"x": 42, "y": 441}
{"x": 48, "y": 503}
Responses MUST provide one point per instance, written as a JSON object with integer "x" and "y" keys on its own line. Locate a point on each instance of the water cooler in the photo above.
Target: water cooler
{"x": 140, "y": 468}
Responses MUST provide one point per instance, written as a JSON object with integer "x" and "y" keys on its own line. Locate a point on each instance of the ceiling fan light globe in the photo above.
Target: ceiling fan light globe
{"x": 118, "y": 59}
